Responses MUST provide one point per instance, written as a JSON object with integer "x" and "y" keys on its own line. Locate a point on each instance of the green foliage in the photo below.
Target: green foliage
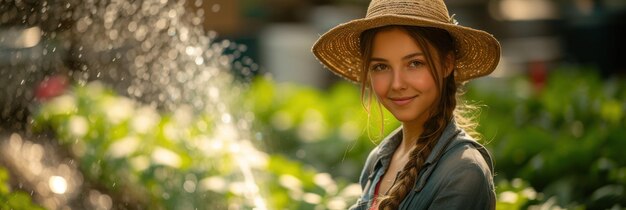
{"x": 154, "y": 159}
{"x": 16, "y": 200}
{"x": 565, "y": 140}
{"x": 328, "y": 129}
{"x": 515, "y": 194}
{"x": 4, "y": 177}
{"x": 179, "y": 160}
{"x": 296, "y": 186}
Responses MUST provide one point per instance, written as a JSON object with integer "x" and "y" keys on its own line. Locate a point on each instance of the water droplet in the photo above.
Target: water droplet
{"x": 172, "y": 13}
{"x": 226, "y": 118}
{"x": 189, "y": 186}
{"x": 57, "y": 184}
{"x": 132, "y": 26}
{"x": 113, "y": 34}
{"x": 161, "y": 24}
{"x": 200, "y": 12}
{"x": 216, "y": 8}
{"x": 199, "y": 60}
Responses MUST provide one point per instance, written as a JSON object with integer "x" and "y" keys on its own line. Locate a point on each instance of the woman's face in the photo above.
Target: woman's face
{"x": 400, "y": 76}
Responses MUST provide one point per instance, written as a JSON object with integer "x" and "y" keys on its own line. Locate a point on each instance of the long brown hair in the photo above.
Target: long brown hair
{"x": 443, "y": 111}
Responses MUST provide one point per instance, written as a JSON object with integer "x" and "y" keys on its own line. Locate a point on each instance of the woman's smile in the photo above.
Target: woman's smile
{"x": 400, "y": 101}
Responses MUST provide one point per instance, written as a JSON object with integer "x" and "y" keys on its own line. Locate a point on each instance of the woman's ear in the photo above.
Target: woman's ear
{"x": 449, "y": 64}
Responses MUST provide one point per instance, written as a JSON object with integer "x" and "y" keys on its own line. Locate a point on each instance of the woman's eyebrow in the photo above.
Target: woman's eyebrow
{"x": 406, "y": 57}
{"x": 409, "y": 56}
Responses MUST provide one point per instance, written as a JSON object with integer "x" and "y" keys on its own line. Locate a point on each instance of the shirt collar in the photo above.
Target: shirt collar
{"x": 388, "y": 146}
{"x": 393, "y": 140}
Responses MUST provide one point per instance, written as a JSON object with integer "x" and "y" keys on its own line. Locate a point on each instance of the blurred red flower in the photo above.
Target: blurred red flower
{"x": 51, "y": 87}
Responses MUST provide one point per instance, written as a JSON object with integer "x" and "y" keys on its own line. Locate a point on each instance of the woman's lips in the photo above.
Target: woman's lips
{"x": 402, "y": 100}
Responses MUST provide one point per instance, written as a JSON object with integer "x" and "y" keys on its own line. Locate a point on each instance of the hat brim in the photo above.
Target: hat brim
{"x": 477, "y": 52}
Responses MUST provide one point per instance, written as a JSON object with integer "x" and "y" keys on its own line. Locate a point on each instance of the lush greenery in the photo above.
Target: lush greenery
{"x": 565, "y": 139}
{"x": 559, "y": 145}
{"x": 330, "y": 130}
{"x": 13, "y": 199}
{"x": 180, "y": 160}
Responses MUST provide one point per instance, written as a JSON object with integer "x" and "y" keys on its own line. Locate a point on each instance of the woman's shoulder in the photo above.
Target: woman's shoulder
{"x": 465, "y": 154}
{"x": 462, "y": 178}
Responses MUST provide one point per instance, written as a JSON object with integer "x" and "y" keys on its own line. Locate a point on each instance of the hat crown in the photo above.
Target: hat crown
{"x": 429, "y": 9}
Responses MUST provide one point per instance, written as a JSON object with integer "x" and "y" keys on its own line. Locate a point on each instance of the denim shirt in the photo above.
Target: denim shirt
{"x": 457, "y": 174}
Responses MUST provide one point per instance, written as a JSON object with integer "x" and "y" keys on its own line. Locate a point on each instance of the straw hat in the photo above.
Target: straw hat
{"x": 477, "y": 52}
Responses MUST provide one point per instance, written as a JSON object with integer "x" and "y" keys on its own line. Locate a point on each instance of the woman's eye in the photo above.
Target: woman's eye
{"x": 378, "y": 67}
{"x": 415, "y": 63}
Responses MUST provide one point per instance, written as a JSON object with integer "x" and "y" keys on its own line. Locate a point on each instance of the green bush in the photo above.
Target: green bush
{"x": 180, "y": 160}
{"x": 565, "y": 140}
{"x": 328, "y": 129}
{"x": 16, "y": 200}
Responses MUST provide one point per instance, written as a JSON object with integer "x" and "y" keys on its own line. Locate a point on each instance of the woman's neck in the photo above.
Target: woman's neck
{"x": 410, "y": 134}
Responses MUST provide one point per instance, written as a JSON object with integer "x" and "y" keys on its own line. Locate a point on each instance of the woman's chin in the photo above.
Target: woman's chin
{"x": 409, "y": 118}
{"x": 403, "y": 118}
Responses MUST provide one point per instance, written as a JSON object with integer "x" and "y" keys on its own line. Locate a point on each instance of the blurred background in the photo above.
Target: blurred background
{"x": 219, "y": 104}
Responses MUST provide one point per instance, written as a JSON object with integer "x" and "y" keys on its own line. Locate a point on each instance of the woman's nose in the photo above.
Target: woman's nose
{"x": 398, "y": 80}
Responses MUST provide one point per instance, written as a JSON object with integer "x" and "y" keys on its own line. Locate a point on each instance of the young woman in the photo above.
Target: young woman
{"x": 413, "y": 57}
